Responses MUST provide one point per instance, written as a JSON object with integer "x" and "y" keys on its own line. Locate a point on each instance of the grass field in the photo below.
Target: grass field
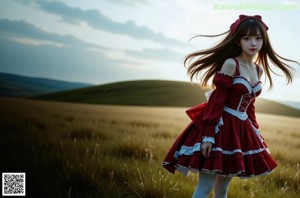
{"x": 76, "y": 150}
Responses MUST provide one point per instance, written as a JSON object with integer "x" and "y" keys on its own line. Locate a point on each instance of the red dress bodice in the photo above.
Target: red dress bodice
{"x": 242, "y": 93}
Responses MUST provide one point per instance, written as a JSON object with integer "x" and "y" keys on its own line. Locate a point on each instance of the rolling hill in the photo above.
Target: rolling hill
{"x": 142, "y": 93}
{"x": 12, "y": 85}
{"x": 154, "y": 93}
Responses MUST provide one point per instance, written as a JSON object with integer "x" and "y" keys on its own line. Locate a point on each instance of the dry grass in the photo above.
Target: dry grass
{"x": 75, "y": 150}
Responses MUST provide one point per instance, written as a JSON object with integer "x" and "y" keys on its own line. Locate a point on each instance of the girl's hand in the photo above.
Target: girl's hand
{"x": 206, "y": 149}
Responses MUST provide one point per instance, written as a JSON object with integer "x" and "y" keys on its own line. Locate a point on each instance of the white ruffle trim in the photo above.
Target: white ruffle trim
{"x": 251, "y": 89}
{"x": 239, "y": 114}
{"x": 190, "y": 150}
{"x": 244, "y": 82}
{"x": 185, "y": 171}
{"x": 225, "y": 74}
{"x": 259, "y": 136}
{"x": 208, "y": 139}
{"x": 257, "y": 88}
{"x": 250, "y": 152}
{"x": 220, "y": 123}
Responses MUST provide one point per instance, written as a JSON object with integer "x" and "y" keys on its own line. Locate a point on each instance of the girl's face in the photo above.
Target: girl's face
{"x": 251, "y": 44}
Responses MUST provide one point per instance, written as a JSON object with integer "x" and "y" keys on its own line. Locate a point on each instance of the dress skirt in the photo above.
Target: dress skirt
{"x": 239, "y": 149}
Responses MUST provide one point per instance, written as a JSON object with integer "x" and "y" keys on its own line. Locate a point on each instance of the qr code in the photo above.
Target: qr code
{"x": 13, "y": 184}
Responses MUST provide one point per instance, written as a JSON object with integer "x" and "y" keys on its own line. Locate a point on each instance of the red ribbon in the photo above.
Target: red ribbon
{"x": 242, "y": 18}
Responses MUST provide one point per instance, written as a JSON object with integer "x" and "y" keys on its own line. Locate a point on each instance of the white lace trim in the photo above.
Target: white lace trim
{"x": 257, "y": 132}
{"x": 220, "y": 123}
{"x": 190, "y": 150}
{"x": 257, "y": 88}
{"x": 250, "y": 88}
{"x": 239, "y": 114}
{"x": 239, "y": 151}
{"x": 226, "y": 74}
{"x": 185, "y": 171}
{"x": 208, "y": 139}
{"x": 242, "y": 81}
{"x": 187, "y": 150}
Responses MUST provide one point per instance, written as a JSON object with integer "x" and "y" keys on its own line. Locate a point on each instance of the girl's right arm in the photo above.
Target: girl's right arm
{"x": 222, "y": 81}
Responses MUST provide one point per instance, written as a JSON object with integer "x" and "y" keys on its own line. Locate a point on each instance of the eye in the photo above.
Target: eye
{"x": 259, "y": 38}
{"x": 246, "y": 38}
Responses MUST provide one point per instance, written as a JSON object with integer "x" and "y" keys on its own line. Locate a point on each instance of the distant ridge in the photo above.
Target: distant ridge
{"x": 141, "y": 93}
{"x": 291, "y": 104}
{"x": 12, "y": 85}
{"x": 154, "y": 93}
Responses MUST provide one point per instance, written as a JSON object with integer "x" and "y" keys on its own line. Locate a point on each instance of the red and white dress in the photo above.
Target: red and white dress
{"x": 228, "y": 121}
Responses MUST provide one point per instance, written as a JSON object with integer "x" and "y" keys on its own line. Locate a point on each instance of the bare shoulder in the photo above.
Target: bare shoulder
{"x": 229, "y": 66}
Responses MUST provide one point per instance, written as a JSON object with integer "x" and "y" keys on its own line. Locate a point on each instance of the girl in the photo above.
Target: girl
{"x": 223, "y": 139}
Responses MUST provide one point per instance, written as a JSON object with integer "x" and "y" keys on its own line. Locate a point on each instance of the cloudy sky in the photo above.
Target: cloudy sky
{"x": 103, "y": 41}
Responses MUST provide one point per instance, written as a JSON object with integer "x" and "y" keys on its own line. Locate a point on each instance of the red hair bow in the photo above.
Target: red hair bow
{"x": 242, "y": 18}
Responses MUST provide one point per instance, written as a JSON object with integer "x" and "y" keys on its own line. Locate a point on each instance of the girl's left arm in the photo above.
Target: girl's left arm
{"x": 223, "y": 81}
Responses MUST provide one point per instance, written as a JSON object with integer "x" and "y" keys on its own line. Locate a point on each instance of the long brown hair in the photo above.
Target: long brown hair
{"x": 211, "y": 60}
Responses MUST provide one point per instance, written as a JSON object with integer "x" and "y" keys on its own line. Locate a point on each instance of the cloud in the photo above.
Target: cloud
{"x": 22, "y": 29}
{"x": 157, "y": 54}
{"x": 72, "y": 64}
{"x": 72, "y": 61}
{"x": 26, "y": 33}
{"x": 95, "y": 19}
{"x": 130, "y": 2}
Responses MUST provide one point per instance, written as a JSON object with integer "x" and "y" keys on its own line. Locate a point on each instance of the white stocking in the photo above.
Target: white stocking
{"x": 221, "y": 186}
{"x": 205, "y": 184}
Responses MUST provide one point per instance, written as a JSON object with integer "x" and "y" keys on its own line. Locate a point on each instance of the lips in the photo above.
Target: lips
{"x": 252, "y": 49}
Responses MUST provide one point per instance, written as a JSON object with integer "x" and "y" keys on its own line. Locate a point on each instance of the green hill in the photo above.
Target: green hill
{"x": 143, "y": 93}
{"x": 12, "y": 85}
{"x": 154, "y": 93}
